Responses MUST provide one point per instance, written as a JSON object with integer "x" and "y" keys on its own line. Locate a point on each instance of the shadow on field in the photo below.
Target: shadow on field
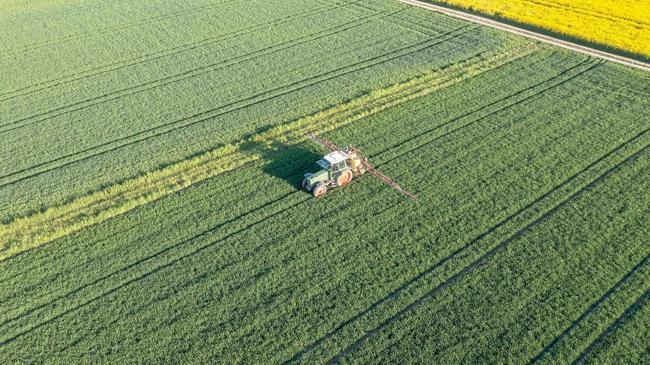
{"x": 286, "y": 162}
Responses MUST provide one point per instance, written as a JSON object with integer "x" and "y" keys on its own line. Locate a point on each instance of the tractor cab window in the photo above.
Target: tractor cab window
{"x": 338, "y": 166}
{"x": 323, "y": 164}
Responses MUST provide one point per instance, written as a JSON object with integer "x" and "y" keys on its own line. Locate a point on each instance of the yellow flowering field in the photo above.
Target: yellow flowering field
{"x": 622, "y": 24}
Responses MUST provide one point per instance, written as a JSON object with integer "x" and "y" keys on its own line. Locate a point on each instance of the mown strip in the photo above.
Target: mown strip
{"x": 32, "y": 231}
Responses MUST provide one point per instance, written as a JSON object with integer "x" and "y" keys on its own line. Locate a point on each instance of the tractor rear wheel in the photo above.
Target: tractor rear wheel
{"x": 306, "y": 185}
{"x": 319, "y": 190}
{"x": 344, "y": 178}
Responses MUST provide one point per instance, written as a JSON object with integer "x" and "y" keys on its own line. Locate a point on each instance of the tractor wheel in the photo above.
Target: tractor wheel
{"x": 319, "y": 190}
{"x": 344, "y": 178}
{"x": 306, "y": 185}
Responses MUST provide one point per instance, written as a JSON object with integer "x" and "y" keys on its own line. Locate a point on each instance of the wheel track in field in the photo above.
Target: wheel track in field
{"x": 447, "y": 98}
{"x": 480, "y": 261}
{"x": 231, "y": 107}
{"x": 629, "y": 312}
{"x": 159, "y": 268}
{"x": 561, "y": 82}
{"x": 246, "y": 284}
{"x": 92, "y": 72}
{"x": 532, "y": 206}
{"x": 593, "y": 307}
{"x": 177, "y": 246}
{"x": 162, "y": 252}
{"x": 39, "y": 228}
{"x": 145, "y": 259}
{"x": 113, "y": 290}
{"x": 187, "y": 75}
{"x": 375, "y": 215}
{"x": 132, "y": 227}
{"x": 108, "y": 30}
{"x": 230, "y": 103}
{"x": 9, "y": 280}
{"x": 399, "y": 22}
{"x": 221, "y": 159}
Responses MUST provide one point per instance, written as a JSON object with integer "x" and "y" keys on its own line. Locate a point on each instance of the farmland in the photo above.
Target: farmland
{"x": 151, "y": 209}
{"x": 617, "y": 24}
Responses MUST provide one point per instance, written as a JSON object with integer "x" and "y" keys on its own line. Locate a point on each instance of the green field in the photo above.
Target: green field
{"x": 151, "y": 208}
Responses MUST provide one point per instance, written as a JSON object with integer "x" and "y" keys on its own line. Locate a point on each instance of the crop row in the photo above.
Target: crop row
{"x": 324, "y": 78}
{"x": 213, "y": 39}
{"x": 274, "y": 273}
{"x": 227, "y": 59}
{"x": 32, "y": 231}
{"x": 540, "y": 283}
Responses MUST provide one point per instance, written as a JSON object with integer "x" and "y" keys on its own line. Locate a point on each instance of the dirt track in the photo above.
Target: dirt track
{"x": 526, "y": 33}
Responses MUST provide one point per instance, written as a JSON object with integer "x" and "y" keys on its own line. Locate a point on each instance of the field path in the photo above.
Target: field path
{"x": 532, "y": 35}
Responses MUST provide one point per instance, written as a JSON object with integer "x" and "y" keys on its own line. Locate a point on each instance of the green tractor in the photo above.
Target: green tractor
{"x": 339, "y": 167}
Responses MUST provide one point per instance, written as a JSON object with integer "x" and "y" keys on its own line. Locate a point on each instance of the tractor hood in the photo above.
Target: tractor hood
{"x": 317, "y": 177}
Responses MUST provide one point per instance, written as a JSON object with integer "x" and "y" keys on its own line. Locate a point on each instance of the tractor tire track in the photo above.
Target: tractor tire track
{"x": 492, "y": 230}
{"x": 9, "y": 280}
{"x": 158, "y": 254}
{"x": 189, "y": 74}
{"x": 629, "y": 312}
{"x": 496, "y": 102}
{"x": 167, "y": 81}
{"x": 79, "y": 36}
{"x": 96, "y": 71}
{"x": 148, "y": 258}
{"x": 394, "y": 21}
{"x": 251, "y": 281}
{"x": 212, "y": 162}
{"x": 591, "y": 309}
{"x": 490, "y": 114}
{"x": 482, "y": 260}
{"x": 222, "y": 110}
{"x": 158, "y": 268}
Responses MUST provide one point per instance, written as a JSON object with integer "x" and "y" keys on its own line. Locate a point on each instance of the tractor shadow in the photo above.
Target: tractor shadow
{"x": 286, "y": 162}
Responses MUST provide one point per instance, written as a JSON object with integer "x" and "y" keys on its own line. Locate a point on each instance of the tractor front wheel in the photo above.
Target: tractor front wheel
{"x": 319, "y": 190}
{"x": 306, "y": 185}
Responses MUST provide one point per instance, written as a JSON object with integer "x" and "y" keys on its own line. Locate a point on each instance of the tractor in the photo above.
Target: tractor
{"x": 339, "y": 167}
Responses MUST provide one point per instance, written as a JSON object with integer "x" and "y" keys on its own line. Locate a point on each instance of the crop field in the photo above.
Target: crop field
{"x": 151, "y": 209}
{"x": 619, "y": 24}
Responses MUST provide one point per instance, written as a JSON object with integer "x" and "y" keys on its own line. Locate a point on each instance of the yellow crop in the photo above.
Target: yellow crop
{"x": 622, "y": 24}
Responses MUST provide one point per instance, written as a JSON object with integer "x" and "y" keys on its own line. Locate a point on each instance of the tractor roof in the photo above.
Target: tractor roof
{"x": 335, "y": 157}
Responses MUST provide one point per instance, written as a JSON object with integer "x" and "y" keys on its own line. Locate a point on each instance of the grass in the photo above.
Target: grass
{"x": 621, "y": 25}
{"x": 527, "y": 242}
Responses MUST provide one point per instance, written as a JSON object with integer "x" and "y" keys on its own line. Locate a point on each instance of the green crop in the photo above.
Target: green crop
{"x": 152, "y": 212}
{"x": 34, "y": 230}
